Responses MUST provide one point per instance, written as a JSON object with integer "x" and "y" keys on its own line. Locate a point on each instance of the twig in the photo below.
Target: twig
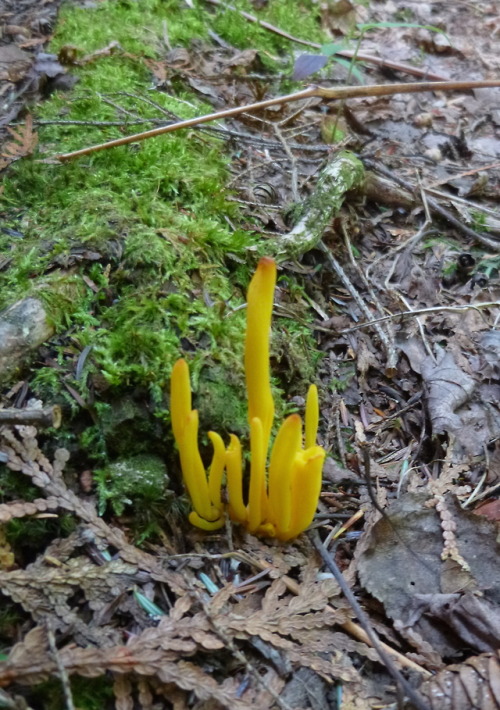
{"x": 120, "y": 109}
{"x": 104, "y": 124}
{"x": 389, "y": 348}
{"x": 63, "y": 675}
{"x": 225, "y": 133}
{"x": 434, "y": 206}
{"x": 454, "y": 198}
{"x": 407, "y": 245}
{"x": 343, "y": 92}
{"x": 392, "y": 356}
{"x": 276, "y": 127}
{"x": 394, "y": 291}
{"x": 365, "y": 450}
{"x": 415, "y": 71}
{"x": 350, "y": 627}
{"x": 50, "y": 416}
{"x": 419, "y": 312}
{"x": 401, "y": 681}
{"x": 466, "y": 173}
{"x": 293, "y": 164}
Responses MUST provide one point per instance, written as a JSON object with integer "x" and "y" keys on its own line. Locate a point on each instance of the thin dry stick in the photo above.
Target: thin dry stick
{"x": 63, "y": 674}
{"x": 461, "y": 201}
{"x": 338, "y": 433}
{"x": 392, "y": 354}
{"x": 434, "y": 206}
{"x": 388, "y": 346}
{"x": 419, "y": 312}
{"x": 407, "y": 245}
{"x": 398, "y": 294}
{"x": 349, "y": 54}
{"x": 443, "y": 181}
{"x": 343, "y": 92}
{"x": 413, "y": 695}
{"x": 50, "y": 416}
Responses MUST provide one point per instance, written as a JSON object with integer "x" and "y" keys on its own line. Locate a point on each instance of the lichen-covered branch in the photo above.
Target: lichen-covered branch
{"x": 344, "y": 173}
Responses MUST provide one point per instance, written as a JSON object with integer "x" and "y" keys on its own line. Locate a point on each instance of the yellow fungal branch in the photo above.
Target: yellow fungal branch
{"x": 259, "y": 312}
{"x": 282, "y": 503}
{"x": 204, "y": 493}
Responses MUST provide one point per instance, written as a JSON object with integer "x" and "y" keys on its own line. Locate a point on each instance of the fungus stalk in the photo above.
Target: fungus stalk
{"x": 204, "y": 492}
{"x": 281, "y": 504}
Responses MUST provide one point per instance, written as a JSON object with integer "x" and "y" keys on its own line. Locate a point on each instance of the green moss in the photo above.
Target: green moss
{"x": 12, "y": 485}
{"x": 301, "y": 19}
{"x": 87, "y": 694}
{"x": 11, "y": 618}
{"x": 131, "y": 249}
{"x": 219, "y": 398}
{"x": 141, "y": 480}
{"x": 28, "y": 537}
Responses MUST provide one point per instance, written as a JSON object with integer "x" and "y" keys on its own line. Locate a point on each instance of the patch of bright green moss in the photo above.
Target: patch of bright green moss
{"x": 300, "y": 19}
{"x": 87, "y": 694}
{"x": 131, "y": 249}
{"x": 138, "y": 480}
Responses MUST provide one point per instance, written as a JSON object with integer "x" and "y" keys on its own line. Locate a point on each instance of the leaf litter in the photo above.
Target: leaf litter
{"x": 425, "y": 561}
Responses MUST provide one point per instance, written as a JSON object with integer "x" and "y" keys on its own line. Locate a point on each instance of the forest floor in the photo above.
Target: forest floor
{"x": 117, "y": 262}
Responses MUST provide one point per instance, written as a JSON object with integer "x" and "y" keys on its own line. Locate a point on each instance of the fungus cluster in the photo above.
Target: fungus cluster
{"x": 282, "y": 502}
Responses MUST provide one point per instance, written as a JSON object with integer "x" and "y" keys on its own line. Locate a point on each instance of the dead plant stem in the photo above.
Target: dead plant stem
{"x": 413, "y": 695}
{"x": 343, "y": 92}
{"x": 434, "y": 206}
{"x": 421, "y": 312}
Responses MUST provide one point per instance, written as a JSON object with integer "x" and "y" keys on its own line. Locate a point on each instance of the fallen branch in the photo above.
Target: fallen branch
{"x": 433, "y": 205}
{"x": 413, "y": 314}
{"x": 343, "y": 92}
{"x": 347, "y": 53}
{"x": 345, "y": 172}
{"x": 49, "y": 416}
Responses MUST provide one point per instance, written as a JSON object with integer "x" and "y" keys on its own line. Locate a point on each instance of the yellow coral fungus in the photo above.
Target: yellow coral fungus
{"x": 204, "y": 493}
{"x": 281, "y": 504}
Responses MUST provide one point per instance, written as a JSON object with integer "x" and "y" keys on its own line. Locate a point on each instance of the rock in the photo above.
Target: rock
{"x": 23, "y": 327}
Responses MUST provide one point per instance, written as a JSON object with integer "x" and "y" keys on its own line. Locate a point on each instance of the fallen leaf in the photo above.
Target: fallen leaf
{"x": 448, "y": 387}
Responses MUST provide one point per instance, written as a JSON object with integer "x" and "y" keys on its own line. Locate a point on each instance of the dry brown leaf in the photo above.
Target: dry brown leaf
{"x": 449, "y": 387}
{"x": 24, "y": 143}
{"x": 472, "y": 685}
{"x": 402, "y": 566}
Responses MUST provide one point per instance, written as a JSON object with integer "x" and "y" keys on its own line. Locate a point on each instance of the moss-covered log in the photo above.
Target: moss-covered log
{"x": 343, "y": 174}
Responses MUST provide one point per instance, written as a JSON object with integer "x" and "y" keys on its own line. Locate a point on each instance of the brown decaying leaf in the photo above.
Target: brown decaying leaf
{"x": 472, "y": 685}
{"x": 448, "y": 388}
{"x": 402, "y": 566}
{"x": 24, "y": 143}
